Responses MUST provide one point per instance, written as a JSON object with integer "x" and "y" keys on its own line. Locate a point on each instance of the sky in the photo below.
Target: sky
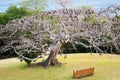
{"x": 96, "y": 4}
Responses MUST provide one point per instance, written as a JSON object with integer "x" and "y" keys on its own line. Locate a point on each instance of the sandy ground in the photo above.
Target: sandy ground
{"x": 9, "y": 61}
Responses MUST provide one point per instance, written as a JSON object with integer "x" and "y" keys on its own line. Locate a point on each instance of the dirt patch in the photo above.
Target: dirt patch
{"x": 9, "y": 61}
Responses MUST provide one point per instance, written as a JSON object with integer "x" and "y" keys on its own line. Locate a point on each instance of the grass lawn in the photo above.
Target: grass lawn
{"x": 107, "y": 67}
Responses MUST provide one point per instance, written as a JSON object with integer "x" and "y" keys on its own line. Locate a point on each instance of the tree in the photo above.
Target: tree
{"x": 31, "y": 37}
{"x": 38, "y": 5}
{"x": 4, "y": 18}
{"x": 13, "y": 13}
{"x": 63, "y": 3}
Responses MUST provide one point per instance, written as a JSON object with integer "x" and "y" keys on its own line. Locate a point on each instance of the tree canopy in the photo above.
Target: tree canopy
{"x": 32, "y": 37}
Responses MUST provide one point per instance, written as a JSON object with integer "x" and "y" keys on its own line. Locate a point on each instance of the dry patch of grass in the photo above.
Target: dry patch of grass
{"x": 107, "y": 67}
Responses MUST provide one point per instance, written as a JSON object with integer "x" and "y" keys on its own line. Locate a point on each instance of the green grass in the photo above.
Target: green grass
{"x": 107, "y": 67}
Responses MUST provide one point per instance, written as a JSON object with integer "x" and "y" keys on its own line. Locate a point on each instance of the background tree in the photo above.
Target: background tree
{"x": 13, "y": 13}
{"x": 4, "y": 18}
{"x": 37, "y": 5}
{"x": 63, "y": 3}
{"x": 31, "y": 37}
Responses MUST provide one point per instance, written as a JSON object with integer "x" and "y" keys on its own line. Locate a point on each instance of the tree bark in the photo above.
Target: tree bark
{"x": 52, "y": 58}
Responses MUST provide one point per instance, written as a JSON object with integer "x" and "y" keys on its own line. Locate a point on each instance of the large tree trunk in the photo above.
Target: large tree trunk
{"x": 52, "y": 58}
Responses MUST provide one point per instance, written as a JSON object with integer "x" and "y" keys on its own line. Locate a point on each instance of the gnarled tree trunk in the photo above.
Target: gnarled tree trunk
{"x": 52, "y": 58}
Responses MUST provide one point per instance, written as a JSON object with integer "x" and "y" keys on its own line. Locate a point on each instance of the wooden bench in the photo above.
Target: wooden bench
{"x": 83, "y": 72}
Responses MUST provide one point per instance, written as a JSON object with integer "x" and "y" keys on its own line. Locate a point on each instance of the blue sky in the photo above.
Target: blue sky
{"x": 4, "y": 4}
{"x": 97, "y": 4}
